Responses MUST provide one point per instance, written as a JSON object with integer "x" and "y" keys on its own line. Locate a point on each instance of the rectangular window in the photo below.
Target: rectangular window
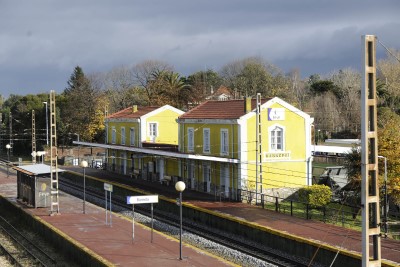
{"x": 153, "y": 129}
{"x": 190, "y": 138}
{"x": 132, "y": 136}
{"x": 113, "y": 135}
{"x": 224, "y": 142}
{"x": 122, "y": 135}
{"x": 206, "y": 140}
{"x": 276, "y": 139}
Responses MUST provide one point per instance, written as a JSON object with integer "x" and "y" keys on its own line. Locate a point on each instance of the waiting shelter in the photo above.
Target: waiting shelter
{"x": 33, "y": 184}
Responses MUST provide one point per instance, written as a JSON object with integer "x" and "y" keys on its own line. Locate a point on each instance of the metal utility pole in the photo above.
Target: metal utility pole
{"x": 11, "y": 139}
{"x": 369, "y": 157}
{"x": 47, "y": 124}
{"x": 1, "y": 131}
{"x": 55, "y": 205}
{"x": 33, "y": 138}
{"x": 106, "y": 133}
{"x": 259, "y": 189}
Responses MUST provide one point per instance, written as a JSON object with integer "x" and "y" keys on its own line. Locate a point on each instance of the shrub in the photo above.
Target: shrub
{"x": 315, "y": 195}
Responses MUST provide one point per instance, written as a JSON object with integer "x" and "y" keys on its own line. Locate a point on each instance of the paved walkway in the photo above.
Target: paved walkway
{"x": 312, "y": 231}
{"x": 315, "y": 231}
{"x": 113, "y": 243}
{"x": 319, "y": 232}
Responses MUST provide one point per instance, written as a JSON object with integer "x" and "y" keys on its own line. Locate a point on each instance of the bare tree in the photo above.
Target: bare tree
{"x": 143, "y": 74}
{"x": 326, "y": 113}
{"x": 250, "y": 76}
{"x": 299, "y": 89}
{"x": 121, "y": 90}
{"x": 348, "y": 89}
{"x": 389, "y": 73}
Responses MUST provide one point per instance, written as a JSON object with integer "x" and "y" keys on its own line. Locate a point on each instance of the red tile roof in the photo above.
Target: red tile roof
{"x": 230, "y": 109}
{"x": 127, "y": 113}
{"x": 222, "y": 90}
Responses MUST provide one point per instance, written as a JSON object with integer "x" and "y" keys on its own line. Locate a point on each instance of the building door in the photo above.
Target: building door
{"x": 207, "y": 177}
{"x": 224, "y": 180}
{"x": 113, "y": 161}
{"x": 160, "y": 168}
{"x": 191, "y": 175}
{"x": 123, "y": 163}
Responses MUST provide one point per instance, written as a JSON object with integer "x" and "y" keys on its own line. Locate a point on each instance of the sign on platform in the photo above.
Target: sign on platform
{"x": 108, "y": 187}
{"x": 142, "y": 199}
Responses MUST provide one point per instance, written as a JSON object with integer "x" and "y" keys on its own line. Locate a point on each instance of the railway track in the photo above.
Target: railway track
{"x": 20, "y": 249}
{"x": 258, "y": 251}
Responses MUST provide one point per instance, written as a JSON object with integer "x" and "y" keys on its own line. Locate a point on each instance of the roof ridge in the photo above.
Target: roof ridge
{"x": 195, "y": 108}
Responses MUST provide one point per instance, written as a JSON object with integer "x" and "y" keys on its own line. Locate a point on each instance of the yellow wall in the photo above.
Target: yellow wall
{"x": 167, "y": 127}
{"x": 127, "y": 126}
{"x": 215, "y": 139}
{"x": 290, "y": 172}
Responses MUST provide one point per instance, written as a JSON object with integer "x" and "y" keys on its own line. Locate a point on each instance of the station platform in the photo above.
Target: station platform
{"x": 303, "y": 230}
{"x": 113, "y": 245}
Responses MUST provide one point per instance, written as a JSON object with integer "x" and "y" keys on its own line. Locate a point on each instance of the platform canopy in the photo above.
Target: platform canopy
{"x": 35, "y": 169}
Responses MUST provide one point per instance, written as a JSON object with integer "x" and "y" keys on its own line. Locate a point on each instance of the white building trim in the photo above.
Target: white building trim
{"x": 159, "y": 152}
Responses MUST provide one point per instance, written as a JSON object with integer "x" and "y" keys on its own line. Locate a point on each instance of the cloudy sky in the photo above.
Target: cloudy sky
{"x": 42, "y": 41}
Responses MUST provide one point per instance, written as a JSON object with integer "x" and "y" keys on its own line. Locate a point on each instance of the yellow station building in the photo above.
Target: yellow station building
{"x": 219, "y": 147}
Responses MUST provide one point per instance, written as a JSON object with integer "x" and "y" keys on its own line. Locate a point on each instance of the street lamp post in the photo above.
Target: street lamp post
{"x": 47, "y": 124}
{"x": 180, "y": 187}
{"x": 8, "y": 146}
{"x": 84, "y": 164}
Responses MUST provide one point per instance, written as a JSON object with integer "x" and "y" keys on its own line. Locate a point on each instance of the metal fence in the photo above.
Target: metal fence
{"x": 333, "y": 213}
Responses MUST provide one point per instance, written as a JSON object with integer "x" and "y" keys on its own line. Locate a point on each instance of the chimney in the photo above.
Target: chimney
{"x": 247, "y": 105}
{"x": 134, "y": 108}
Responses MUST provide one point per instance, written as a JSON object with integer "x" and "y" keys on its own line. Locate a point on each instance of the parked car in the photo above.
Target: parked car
{"x": 336, "y": 178}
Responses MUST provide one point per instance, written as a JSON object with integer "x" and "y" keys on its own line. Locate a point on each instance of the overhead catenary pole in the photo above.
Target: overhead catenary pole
{"x": 55, "y": 205}
{"x": 11, "y": 137}
{"x": 47, "y": 123}
{"x": 369, "y": 157}
{"x": 33, "y": 138}
{"x": 259, "y": 187}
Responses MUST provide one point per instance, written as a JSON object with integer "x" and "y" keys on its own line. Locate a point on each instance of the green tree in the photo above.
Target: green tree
{"x": 146, "y": 76}
{"x": 201, "y": 84}
{"x": 321, "y": 87}
{"x": 352, "y": 162}
{"x": 167, "y": 87}
{"x": 315, "y": 195}
{"x": 80, "y": 111}
{"x": 388, "y": 147}
{"x": 250, "y": 76}
{"x": 21, "y": 108}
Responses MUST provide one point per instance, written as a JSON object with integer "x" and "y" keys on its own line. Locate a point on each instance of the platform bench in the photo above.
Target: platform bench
{"x": 166, "y": 180}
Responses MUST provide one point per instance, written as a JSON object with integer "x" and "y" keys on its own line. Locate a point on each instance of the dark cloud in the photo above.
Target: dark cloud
{"x": 42, "y": 41}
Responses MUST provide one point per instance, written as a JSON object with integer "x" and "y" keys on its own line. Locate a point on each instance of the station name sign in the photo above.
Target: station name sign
{"x": 108, "y": 187}
{"x": 142, "y": 199}
{"x": 276, "y": 114}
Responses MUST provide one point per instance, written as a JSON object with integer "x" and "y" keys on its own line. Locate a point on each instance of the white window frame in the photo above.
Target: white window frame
{"x": 206, "y": 140}
{"x": 113, "y": 135}
{"x": 274, "y": 140}
{"x": 190, "y": 138}
{"x": 123, "y": 136}
{"x": 224, "y": 142}
{"x": 132, "y": 136}
{"x": 153, "y": 132}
